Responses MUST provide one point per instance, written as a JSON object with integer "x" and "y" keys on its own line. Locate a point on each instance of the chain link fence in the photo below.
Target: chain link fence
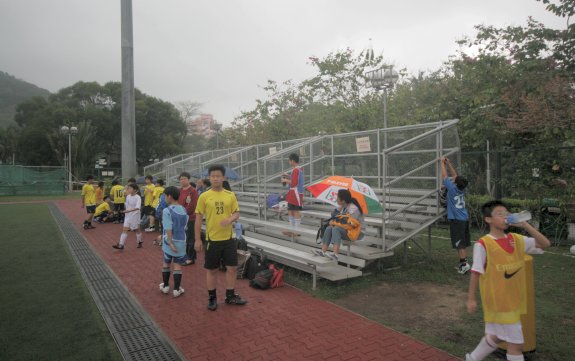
{"x": 24, "y": 180}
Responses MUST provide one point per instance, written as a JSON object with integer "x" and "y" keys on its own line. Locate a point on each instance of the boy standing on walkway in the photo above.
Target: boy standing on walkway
{"x": 221, "y": 210}
{"x": 119, "y": 198}
{"x": 457, "y": 214}
{"x": 499, "y": 270}
{"x": 132, "y": 216}
{"x": 156, "y": 195}
{"x": 148, "y": 197}
{"x": 89, "y": 201}
{"x": 188, "y": 199}
{"x": 294, "y": 196}
{"x": 174, "y": 219}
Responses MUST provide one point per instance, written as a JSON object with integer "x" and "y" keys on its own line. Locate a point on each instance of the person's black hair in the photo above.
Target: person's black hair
{"x": 132, "y": 180}
{"x": 160, "y": 182}
{"x": 185, "y": 174}
{"x": 172, "y": 192}
{"x": 461, "y": 182}
{"x": 207, "y": 183}
{"x": 101, "y": 184}
{"x": 345, "y": 195}
{"x": 134, "y": 186}
{"x": 294, "y": 157}
{"x": 89, "y": 177}
{"x": 217, "y": 167}
{"x": 487, "y": 208}
{"x": 149, "y": 177}
{"x": 115, "y": 182}
{"x": 226, "y": 185}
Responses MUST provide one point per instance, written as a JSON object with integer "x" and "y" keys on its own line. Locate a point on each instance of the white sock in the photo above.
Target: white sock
{"x": 484, "y": 348}
{"x": 291, "y": 221}
{"x": 123, "y": 238}
{"x": 296, "y": 222}
{"x": 514, "y": 357}
{"x": 139, "y": 237}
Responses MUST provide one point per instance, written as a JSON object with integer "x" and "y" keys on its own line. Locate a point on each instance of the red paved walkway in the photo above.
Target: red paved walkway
{"x": 279, "y": 324}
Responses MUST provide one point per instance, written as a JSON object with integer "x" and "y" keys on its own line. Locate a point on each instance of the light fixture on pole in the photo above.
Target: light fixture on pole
{"x": 383, "y": 78}
{"x": 69, "y": 131}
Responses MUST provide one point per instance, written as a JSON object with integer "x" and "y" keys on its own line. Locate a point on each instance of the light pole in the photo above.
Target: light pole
{"x": 383, "y": 78}
{"x": 69, "y": 131}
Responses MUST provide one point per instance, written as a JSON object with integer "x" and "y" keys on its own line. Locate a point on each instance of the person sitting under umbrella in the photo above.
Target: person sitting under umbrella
{"x": 335, "y": 233}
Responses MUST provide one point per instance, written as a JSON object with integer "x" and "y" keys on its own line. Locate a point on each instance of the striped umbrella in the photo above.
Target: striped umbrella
{"x": 326, "y": 190}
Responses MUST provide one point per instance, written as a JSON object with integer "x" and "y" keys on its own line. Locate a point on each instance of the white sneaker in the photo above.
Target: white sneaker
{"x": 332, "y": 256}
{"x": 318, "y": 252}
{"x": 179, "y": 292}
{"x": 149, "y": 229}
{"x": 468, "y": 357}
{"x": 464, "y": 268}
{"x": 165, "y": 290}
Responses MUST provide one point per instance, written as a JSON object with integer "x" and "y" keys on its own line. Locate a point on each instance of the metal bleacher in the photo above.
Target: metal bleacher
{"x": 401, "y": 164}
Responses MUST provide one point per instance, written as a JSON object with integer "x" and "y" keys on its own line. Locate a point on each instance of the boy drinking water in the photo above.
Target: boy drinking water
{"x": 131, "y": 216}
{"x": 499, "y": 270}
{"x": 174, "y": 220}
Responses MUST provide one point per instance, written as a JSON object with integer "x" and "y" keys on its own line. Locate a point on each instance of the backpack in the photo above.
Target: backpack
{"x": 254, "y": 264}
{"x": 277, "y": 278}
{"x": 272, "y": 200}
{"x": 243, "y": 259}
{"x": 262, "y": 280}
{"x": 242, "y": 244}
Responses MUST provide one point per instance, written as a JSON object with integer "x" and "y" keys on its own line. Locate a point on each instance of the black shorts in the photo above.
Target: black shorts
{"x": 460, "y": 237}
{"x": 221, "y": 252}
{"x": 293, "y": 207}
{"x": 149, "y": 210}
{"x": 119, "y": 207}
{"x": 91, "y": 209}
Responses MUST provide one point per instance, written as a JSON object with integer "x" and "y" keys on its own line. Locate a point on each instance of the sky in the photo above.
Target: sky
{"x": 220, "y": 53}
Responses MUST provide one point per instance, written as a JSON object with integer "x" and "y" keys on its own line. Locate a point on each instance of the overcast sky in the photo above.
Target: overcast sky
{"x": 219, "y": 52}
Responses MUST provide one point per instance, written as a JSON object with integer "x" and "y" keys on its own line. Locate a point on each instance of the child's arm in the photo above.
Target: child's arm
{"x": 471, "y": 301}
{"x": 540, "y": 240}
{"x": 451, "y": 168}
{"x": 231, "y": 219}
{"x": 169, "y": 234}
{"x": 197, "y": 232}
{"x": 442, "y": 162}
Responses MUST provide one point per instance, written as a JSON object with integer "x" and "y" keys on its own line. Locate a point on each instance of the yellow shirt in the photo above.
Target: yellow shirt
{"x": 156, "y": 196}
{"x": 89, "y": 194}
{"x": 503, "y": 283}
{"x": 103, "y": 207}
{"x": 117, "y": 194}
{"x": 217, "y": 206}
{"x": 149, "y": 195}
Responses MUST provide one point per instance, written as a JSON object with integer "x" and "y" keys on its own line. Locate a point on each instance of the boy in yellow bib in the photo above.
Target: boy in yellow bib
{"x": 498, "y": 269}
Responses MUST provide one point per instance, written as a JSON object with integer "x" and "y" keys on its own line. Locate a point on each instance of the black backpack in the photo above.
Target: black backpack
{"x": 242, "y": 244}
{"x": 262, "y": 280}
{"x": 255, "y": 263}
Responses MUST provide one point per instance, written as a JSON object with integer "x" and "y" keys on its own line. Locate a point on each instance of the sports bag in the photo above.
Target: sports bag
{"x": 350, "y": 224}
{"x": 243, "y": 259}
{"x": 255, "y": 263}
{"x": 277, "y": 278}
{"x": 262, "y": 279}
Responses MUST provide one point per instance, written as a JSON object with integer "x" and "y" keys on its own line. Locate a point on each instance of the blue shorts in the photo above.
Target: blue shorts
{"x": 168, "y": 258}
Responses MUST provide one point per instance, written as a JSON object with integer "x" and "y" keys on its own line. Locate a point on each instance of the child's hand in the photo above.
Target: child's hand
{"x": 225, "y": 222}
{"x": 198, "y": 245}
{"x": 173, "y": 247}
{"x": 471, "y": 306}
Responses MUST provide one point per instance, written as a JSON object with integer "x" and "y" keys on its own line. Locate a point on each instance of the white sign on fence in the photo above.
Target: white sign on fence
{"x": 273, "y": 150}
{"x": 362, "y": 144}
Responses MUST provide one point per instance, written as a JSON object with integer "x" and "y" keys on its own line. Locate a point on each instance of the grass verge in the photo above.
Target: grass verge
{"x": 73, "y": 195}
{"x": 47, "y": 312}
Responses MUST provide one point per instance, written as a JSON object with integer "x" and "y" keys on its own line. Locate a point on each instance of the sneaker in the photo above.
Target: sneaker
{"x": 464, "y": 268}
{"x": 139, "y": 244}
{"x": 236, "y": 300}
{"x": 85, "y": 225}
{"x": 165, "y": 290}
{"x": 178, "y": 293}
{"x": 150, "y": 229}
{"x": 118, "y": 246}
{"x": 468, "y": 357}
{"x": 90, "y": 226}
{"x": 318, "y": 252}
{"x": 332, "y": 256}
{"x": 212, "y": 304}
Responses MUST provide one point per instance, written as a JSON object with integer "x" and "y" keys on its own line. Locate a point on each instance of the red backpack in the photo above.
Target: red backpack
{"x": 277, "y": 278}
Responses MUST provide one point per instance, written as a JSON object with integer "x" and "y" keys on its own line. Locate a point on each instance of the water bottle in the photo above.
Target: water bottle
{"x": 515, "y": 218}
{"x": 238, "y": 228}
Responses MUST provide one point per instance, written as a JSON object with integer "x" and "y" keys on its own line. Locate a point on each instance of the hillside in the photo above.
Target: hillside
{"x": 12, "y": 92}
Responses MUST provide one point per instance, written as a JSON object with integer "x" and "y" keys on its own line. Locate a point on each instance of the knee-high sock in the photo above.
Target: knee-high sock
{"x": 291, "y": 221}
{"x": 515, "y": 357}
{"x": 123, "y": 238}
{"x": 486, "y": 346}
{"x": 297, "y": 222}
{"x": 166, "y": 275}
{"x": 139, "y": 237}
{"x": 177, "y": 279}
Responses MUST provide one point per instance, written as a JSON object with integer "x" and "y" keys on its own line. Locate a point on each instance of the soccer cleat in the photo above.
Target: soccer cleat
{"x": 90, "y": 226}
{"x": 212, "y": 304}
{"x": 140, "y": 244}
{"x": 464, "y": 268}
{"x": 165, "y": 290}
{"x": 178, "y": 293}
{"x": 150, "y": 229}
{"x": 118, "y": 246}
{"x": 85, "y": 225}
{"x": 318, "y": 252}
{"x": 235, "y": 300}
{"x": 332, "y": 256}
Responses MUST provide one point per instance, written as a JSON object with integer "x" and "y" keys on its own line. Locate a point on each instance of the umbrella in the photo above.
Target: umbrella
{"x": 326, "y": 190}
{"x": 231, "y": 174}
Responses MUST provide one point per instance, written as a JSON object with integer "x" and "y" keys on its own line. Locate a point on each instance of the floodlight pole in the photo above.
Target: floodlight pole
{"x": 129, "y": 168}
{"x": 69, "y": 131}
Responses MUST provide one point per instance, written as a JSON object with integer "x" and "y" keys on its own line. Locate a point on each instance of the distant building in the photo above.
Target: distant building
{"x": 204, "y": 125}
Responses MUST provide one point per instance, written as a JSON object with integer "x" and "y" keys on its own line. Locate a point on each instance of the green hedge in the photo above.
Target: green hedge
{"x": 474, "y": 203}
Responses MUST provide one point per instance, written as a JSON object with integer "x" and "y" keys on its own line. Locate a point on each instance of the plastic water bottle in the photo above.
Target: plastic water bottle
{"x": 238, "y": 228}
{"x": 515, "y": 218}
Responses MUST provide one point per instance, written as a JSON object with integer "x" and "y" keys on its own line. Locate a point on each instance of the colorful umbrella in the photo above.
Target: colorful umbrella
{"x": 326, "y": 190}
